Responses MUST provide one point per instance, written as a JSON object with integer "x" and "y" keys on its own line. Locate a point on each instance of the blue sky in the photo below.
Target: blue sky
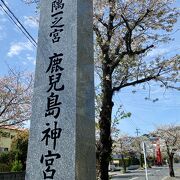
{"x": 147, "y": 115}
{"x": 16, "y": 51}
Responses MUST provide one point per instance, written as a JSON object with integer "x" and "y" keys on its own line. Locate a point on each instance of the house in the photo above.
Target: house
{"x": 7, "y": 133}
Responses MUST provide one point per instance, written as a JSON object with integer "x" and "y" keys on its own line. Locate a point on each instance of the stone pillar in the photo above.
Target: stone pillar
{"x": 62, "y": 131}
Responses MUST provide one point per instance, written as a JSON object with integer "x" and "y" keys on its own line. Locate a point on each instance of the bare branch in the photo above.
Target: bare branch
{"x": 134, "y": 83}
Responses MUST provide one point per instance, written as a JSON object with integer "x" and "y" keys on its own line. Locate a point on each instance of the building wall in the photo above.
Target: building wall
{"x": 6, "y": 137}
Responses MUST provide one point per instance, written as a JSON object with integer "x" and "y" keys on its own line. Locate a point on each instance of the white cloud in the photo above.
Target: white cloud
{"x": 31, "y": 21}
{"x": 158, "y": 52}
{"x": 6, "y": 2}
{"x": 24, "y": 63}
{"x": 30, "y": 59}
{"x": 17, "y": 48}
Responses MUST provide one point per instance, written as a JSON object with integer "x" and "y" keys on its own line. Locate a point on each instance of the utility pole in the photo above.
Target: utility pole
{"x": 137, "y": 131}
{"x": 144, "y": 152}
{"x": 145, "y": 162}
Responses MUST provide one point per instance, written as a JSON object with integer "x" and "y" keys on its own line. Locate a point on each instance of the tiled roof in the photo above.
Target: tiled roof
{"x": 13, "y": 128}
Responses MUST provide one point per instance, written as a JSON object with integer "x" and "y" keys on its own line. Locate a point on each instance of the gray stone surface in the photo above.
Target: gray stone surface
{"x": 76, "y": 144}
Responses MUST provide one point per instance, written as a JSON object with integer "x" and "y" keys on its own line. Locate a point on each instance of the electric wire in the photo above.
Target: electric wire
{"x": 151, "y": 123}
{"x": 133, "y": 125}
{"x": 127, "y": 111}
{"x": 19, "y": 25}
{"x": 12, "y": 20}
{"x": 18, "y": 21}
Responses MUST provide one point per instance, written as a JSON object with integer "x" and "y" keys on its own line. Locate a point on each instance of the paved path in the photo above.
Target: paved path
{"x": 155, "y": 173}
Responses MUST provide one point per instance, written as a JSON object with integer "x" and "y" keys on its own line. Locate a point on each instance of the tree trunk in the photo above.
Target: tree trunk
{"x": 171, "y": 169}
{"x": 105, "y": 123}
{"x": 141, "y": 160}
{"x": 124, "y": 163}
{"x": 97, "y": 161}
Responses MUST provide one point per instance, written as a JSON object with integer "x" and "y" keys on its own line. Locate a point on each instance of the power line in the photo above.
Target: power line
{"x": 132, "y": 124}
{"x": 16, "y": 21}
{"x": 16, "y": 24}
{"x": 117, "y": 95}
{"x": 142, "y": 120}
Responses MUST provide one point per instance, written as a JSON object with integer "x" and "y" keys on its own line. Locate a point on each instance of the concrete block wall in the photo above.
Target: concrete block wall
{"x": 12, "y": 176}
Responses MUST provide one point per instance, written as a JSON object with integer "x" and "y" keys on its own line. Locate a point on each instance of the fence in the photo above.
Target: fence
{"x": 12, "y": 176}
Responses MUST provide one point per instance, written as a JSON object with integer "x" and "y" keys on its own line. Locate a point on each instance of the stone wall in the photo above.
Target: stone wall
{"x": 12, "y": 176}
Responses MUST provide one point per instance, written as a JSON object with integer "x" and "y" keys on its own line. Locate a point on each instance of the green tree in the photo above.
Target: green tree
{"x": 6, "y": 159}
{"x": 19, "y": 147}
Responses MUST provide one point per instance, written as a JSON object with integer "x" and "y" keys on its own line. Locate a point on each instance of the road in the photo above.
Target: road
{"x": 155, "y": 173}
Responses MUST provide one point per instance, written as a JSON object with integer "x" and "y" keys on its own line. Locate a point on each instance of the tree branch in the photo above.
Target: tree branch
{"x": 142, "y": 50}
{"x": 99, "y": 37}
{"x": 102, "y": 22}
{"x": 141, "y": 18}
{"x": 134, "y": 83}
{"x": 118, "y": 59}
{"x": 112, "y": 15}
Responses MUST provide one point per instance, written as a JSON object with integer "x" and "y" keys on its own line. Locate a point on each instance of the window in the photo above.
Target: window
{"x": 12, "y": 136}
{"x": 5, "y": 149}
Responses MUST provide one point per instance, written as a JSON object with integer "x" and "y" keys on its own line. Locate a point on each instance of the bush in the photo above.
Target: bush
{"x": 5, "y": 167}
{"x": 127, "y": 162}
{"x": 16, "y": 166}
{"x": 135, "y": 161}
{"x": 151, "y": 161}
{"x": 176, "y": 160}
{"x": 6, "y": 160}
{"x": 7, "y": 157}
{"x": 19, "y": 147}
{"x": 4, "y": 157}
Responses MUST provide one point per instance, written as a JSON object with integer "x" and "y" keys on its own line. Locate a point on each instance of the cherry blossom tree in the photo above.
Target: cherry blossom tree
{"x": 15, "y": 98}
{"x": 170, "y": 137}
{"x": 126, "y": 30}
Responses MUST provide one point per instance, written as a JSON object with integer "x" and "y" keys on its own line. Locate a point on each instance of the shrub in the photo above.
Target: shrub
{"x": 135, "y": 161}
{"x": 127, "y": 162}
{"x": 16, "y": 166}
{"x": 176, "y": 160}
{"x": 4, "y": 157}
{"x": 5, "y": 167}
